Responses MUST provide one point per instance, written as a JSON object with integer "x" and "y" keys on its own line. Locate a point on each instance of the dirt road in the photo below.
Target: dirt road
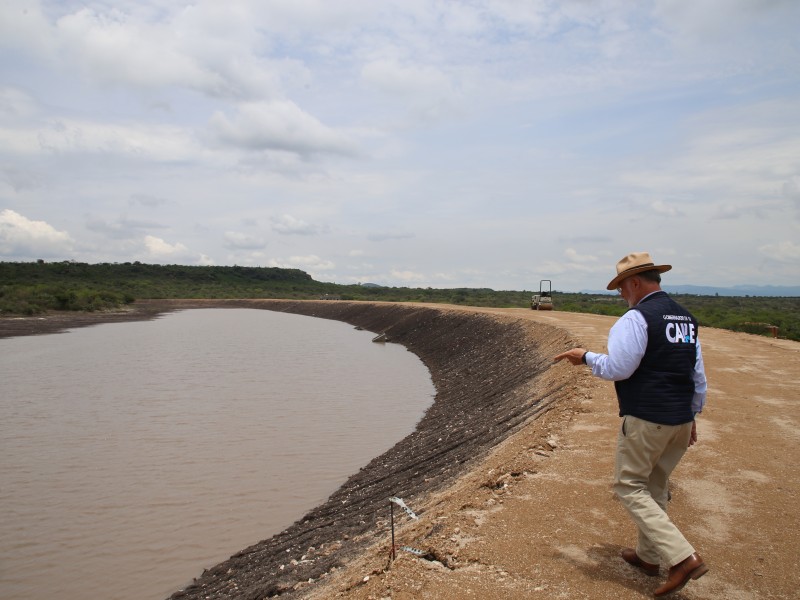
{"x": 540, "y": 521}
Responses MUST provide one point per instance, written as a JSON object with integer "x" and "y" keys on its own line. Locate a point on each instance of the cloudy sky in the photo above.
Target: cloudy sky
{"x": 474, "y": 143}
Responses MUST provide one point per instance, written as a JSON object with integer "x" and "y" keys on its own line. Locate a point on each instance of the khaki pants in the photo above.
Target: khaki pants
{"x": 646, "y": 455}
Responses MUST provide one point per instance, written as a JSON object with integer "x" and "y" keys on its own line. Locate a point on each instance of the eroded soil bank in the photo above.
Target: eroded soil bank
{"x": 487, "y": 372}
{"x": 490, "y": 375}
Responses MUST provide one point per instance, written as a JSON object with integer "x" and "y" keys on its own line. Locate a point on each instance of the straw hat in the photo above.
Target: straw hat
{"x": 635, "y": 263}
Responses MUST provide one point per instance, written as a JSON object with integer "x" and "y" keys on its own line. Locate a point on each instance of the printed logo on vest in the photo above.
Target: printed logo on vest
{"x": 680, "y": 333}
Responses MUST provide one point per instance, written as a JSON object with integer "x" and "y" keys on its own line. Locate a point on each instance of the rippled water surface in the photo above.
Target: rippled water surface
{"x": 133, "y": 455}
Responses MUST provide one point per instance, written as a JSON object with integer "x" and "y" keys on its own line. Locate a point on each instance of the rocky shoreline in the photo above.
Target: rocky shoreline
{"x": 490, "y": 373}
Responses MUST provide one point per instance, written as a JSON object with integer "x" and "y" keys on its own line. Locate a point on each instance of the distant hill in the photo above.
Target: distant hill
{"x": 737, "y": 290}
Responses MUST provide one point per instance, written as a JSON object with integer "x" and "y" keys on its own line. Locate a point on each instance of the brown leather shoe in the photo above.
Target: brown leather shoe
{"x": 630, "y": 556}
{"x": 679, "y": 575}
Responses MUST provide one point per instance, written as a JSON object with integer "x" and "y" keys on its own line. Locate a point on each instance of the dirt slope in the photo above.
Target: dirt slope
{"x": 533, "y": 522}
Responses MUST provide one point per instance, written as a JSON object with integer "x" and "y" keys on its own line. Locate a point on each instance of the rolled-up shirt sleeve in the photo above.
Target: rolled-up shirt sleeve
{"x": 627, "y": 342}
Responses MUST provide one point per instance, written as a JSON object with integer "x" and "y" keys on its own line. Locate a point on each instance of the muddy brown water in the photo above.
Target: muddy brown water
{"x": 143, "y": 452}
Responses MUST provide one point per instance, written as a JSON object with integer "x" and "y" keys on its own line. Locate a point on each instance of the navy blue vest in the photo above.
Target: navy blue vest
{"x": 661, "y": 389}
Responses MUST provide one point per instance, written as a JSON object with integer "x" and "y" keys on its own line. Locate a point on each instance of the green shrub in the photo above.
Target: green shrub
{"x": 33, "y": 288}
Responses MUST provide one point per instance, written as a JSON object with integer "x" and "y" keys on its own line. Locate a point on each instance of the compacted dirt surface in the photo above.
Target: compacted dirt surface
{"x": 509, "y": 472}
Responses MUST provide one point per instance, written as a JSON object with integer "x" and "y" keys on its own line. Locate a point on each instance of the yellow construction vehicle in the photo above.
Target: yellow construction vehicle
{"x": 544, "y": 299}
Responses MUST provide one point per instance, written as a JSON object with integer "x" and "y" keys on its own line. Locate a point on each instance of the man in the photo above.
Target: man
{"x": 655, "y": 362}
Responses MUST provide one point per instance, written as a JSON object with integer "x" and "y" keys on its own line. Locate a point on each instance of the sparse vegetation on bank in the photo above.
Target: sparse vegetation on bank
{"x": 28, "y": 288}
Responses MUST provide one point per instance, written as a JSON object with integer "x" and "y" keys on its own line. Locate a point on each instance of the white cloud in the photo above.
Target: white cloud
{"x": 241, "y": 241}
{"x": 408, "y": 276}
{"x": 723, "y": 20}
{"x": 147, "y": 200}
{"x": 122, "y": 227}
{"x": 159, "y": 249}
{"x": 426, "y": 90}
{"x": 310, "y": 263}
{"x": 389, "y": 236}
{"x": 16, "y": 105}
{"x": 489, "y": 143}
{"x": 278, "y": 126}
{"x": 24, "y": 238}
{"x": 289, "y": 225}
{"x": 108, "y": 46}
{"x": 574, "y": 256}
{"x": 23, "y": 25}
{"x": 745, "y": 154}
{"x": 207, "y": 47}
{"x": 727, "y": 211}
{"x": 663, "y": 209}
{"x": 784, "y": 252}
{"x": 70, "y": 136}
{"x": 22, "y": 179}
{"x": 791, "y": 189}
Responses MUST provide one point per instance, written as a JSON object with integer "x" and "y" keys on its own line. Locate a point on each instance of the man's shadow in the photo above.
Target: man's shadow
{"x": 605, "y": 563}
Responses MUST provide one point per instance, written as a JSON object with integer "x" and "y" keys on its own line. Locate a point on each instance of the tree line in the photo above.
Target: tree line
{"x": 28, "y": 288}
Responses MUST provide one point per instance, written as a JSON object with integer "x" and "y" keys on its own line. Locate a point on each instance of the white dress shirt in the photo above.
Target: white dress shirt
{"x": 627, "y": 342}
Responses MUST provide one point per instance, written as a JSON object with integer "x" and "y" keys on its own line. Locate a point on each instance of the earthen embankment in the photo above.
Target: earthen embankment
{"x": 532, "y": 514}
{"x": 488, "y": 372}
{"x": 490, "y": 376}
